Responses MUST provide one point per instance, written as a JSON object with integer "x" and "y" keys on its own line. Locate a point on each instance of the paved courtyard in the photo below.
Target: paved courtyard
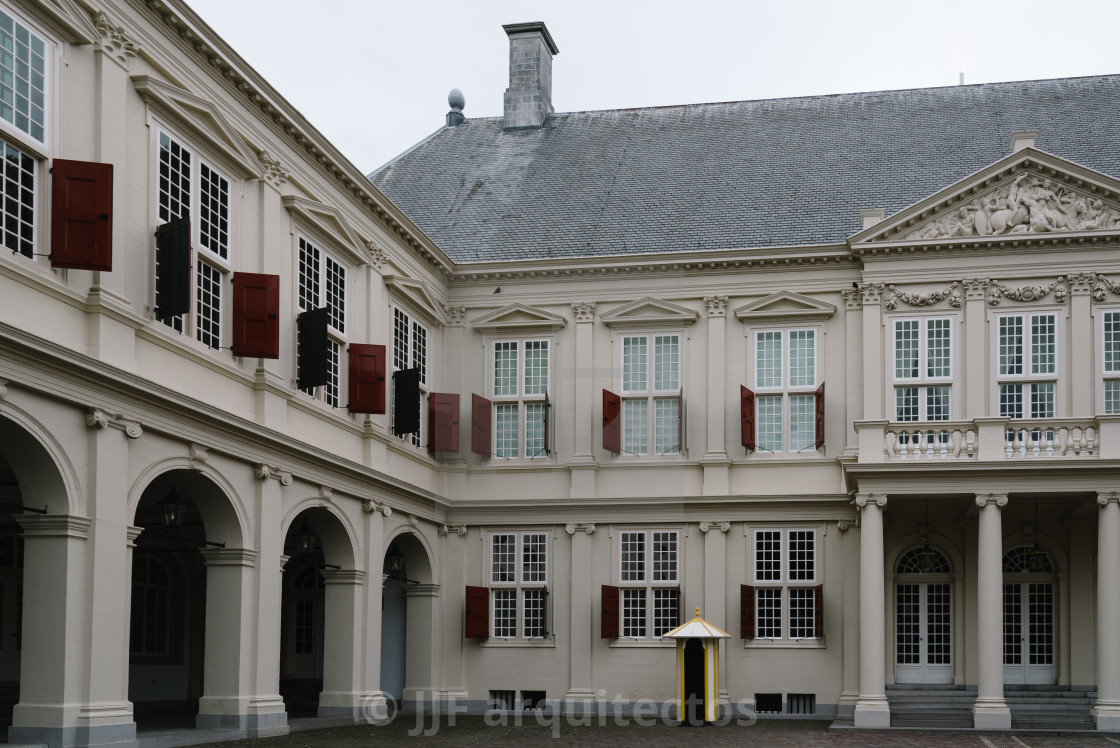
{"x": 474, "y": 731}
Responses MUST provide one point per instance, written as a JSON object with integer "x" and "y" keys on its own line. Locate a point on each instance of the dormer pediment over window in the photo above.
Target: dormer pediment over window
{"x": 417, "y": 296}
{"x": 202, "y": 119}
{"x": 330, "y": 222}
{"x": 69, "y": 17}
{"x": 518, "y": 317}
{"x": 1028, "y": 198}
{"x": 785, "y": 305}
{"x": 649, "y": 311}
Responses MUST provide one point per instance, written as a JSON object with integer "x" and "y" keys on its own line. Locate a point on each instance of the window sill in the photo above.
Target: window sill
{"x": 518, "y": 643}
{"x": 643, "y": 643}
{"x": 784, "y": 644}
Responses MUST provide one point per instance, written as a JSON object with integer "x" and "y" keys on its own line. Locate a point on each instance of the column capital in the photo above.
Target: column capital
{"x": 229, "y": 556}
{"x": 998, "y": 499}
{"x": 97, "y": 418}
{"x": 131, "y": 533}
{"x": 421, "y": 590}
{"x": 452, "y": 529}
{"x": 587, "y": 527}
{"x": 1106, "y": 497}
{"x": 716, "y": 306}
{"x": 342, "y": 576}
{"x": 584, "y": 311}
{"x": 721, "y": 526}
{"x": 369, "y": 506}
{"x": 878, "y": 499}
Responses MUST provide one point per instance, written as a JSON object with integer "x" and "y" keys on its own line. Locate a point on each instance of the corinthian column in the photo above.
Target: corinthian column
{"x": 871, "y": 709}
{"x": 990, "y": 711}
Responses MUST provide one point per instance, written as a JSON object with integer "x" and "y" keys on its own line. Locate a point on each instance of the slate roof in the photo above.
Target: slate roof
{"x": 779, "y": 172}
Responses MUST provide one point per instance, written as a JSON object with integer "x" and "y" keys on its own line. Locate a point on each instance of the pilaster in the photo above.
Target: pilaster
{"x": 974, "y": 367}
{"x": 871, "y": 298}
{"x": 1081, "y": 382}
{"x": 1107, "y": 709}
{"x": 580, "y": 684}
{"x": 583, "y": 464}
{"x": 342, "y": 590}
{"x": 853, "y": 335}
{"x": 372, "y": 700}
{"x": 871, "y": 709}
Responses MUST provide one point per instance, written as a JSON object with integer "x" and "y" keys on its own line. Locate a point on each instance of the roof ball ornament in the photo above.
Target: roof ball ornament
{"x": 456, "y": 101}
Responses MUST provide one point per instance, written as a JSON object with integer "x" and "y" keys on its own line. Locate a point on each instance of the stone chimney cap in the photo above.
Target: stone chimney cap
{"x": 523, "y": 28}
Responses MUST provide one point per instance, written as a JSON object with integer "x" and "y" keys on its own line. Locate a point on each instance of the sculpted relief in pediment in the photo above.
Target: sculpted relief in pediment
{"x": 1027, "y": 204}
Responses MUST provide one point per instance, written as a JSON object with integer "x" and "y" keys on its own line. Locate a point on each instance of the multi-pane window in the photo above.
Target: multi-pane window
{"x": 322, "y": 283}
{"x": 410, "y": 351}
{"x": 190, "y": 186}
{"x": 520, "y": 392}
{"x": 23, "y": 78}
{"x": 1110, "y": 359}
{"x": 151, "y": 623}
{"x": 785, "y": 383}
{"x": 649, "y": 581}
{"x": 785, "y": 576}
{"x": 519, "y": 584}
{"x": 651, "y": 394}
{"x": 1027, "y": 365}
{"x": 923, "y": 369}
{"x": 18, "y": 224}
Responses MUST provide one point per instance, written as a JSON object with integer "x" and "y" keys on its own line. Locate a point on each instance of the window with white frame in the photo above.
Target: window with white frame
{"x": 923, "y": 369}
{"x": 1110, "y": 361}
{"x": 649, "y": 583}
{"x": 651, "y": 389}
{"x": 410, "y": 351}
{"x": 785, "y": 577}
{"x": 785, "y": 387}
{"x": 189, "y": 185}
{"x": 520, "y": 376}
{"x": 322, "y": 283}
{"x": 1027, "y": 365}
{"x": 519, "y": 585}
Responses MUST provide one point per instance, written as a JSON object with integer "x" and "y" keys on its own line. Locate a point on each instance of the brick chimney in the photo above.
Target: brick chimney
{"x": 529, "y": 96}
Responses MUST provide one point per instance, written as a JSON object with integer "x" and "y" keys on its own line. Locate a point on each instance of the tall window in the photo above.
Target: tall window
{"x": 151, "y": 625}
{"x": 649, "y": 582}
{"x": 23, "y": 78}
{"x": 322, "y": 282}
{"x": 190, "y": 186}
{"x": 1110, "y": 359}
{"x": 519, "y": 584}
{"x": 19, "y": 189}
{"x": 520, "y": 389}
{"x": 410, "y": 351}
{"x": 785, "y": 573}
{"x": 651, "y": 387}
{"x": 923, "y": 370}
{"x": 1027, "y": 365}
{"x": 785, "y": 383}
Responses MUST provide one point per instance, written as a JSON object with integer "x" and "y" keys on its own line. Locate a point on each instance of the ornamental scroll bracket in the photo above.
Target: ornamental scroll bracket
{"x": 264, "y": 472}
{"x": 722, "y": 526}
{"x": 452, "y": 529}
{"x": 97, "y": 418}
{"x": 846, "y": 524}
{"x": 573, "y": 528}
{"x": 369, "y": 506}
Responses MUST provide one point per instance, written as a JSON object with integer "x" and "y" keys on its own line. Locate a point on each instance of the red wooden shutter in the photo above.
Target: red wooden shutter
{"x": 256, "y": 315}
{"x": 367, "y": 378}
{"x": 609, "y": 627}
{"x": 819, "y": 441}
{"x": 612, "y": 422}
{"x": 478, "y": 613}
{"x": 818, "y": 611}
{"x": 746, "y": 410}
{"x": 81, "y": 215}
{"x": 746, "y": 612}
{"x": 481, "y": 418}
{"x": 443, "y": 422}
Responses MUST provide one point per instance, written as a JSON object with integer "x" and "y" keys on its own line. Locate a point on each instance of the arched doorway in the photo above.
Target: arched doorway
{"x": 1029, "y": 616}
{"x": 11, "y": 591}
{"x": 407, "y": 616}
{"x": 923, "y": 597}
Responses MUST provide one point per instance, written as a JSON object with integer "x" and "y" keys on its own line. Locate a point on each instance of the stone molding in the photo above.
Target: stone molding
{"x": 342, "y": 576}
{"x": 264, "y": 472}
{"x": 587, "y": 527}
{"x": 369, "y": 506}
{"x": 864, "y": 499}
{"x": 996, "y": 499}
{"x": 450, "y": 529}
{"x": 53, "y": 525}
{"x": 229, "y": 556}
{"x": 102, "y": 420}
{"x": 721, "y": 526}
{"x": 421, "y": 590}
{"x": 716, "y": 306}
{"x": 131, "y": 533}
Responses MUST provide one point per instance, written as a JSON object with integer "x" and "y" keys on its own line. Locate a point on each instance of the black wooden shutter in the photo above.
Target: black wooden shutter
{"x": 173, "y": 256}
{"x": 544, "y": 614}
{"x": 819, "y": 441}
{"x": 680, "y": 422}
{"x": 481, "y": 416}
{"x": 478, "y": 613}
{"x": 818, "y": 611}
{"x": 746, "y": 612}
{"x": 313, "y": 357}
{"x": 746, "y": 411}
{"x": 547, "y": 423}
{"x": 406, "y": 401}
{"x": 609, "y": 618}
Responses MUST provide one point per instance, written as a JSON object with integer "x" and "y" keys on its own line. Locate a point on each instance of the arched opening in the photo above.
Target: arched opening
{"x": 694, "y": 682}
{"x": 1029, "y": 616}
{"x": 183, "y": 515}
{"x": 407, "y": 614}
{"x": 923, "y": 605}
{"x": 11, "y": 591}
{"x": 318, "y": 656}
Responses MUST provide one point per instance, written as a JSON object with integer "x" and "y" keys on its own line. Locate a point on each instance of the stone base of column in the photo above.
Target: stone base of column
{"x": 340, "y": 704}
{"x": 1107, "y": 715}
{"x": 846, "y": 706}
{"x": 110, "y": 736}
{"x": 991, "y": 714}
{"x": 105, "y": 723}
{"x": 872, "y": 711}
{"x": 579, "y": 701}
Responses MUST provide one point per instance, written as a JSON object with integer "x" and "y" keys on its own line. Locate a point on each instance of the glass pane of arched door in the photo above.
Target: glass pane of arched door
{"x": 923, "y": 619}
{"x": 1028, "y": 617}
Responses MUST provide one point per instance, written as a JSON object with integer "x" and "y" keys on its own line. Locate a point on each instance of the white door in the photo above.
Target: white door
{"x": 1028, "y": 633}
{"x": 923, "y": 632}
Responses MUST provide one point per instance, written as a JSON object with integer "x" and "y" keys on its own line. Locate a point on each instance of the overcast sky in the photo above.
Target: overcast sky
{"x": 373, "y": 75}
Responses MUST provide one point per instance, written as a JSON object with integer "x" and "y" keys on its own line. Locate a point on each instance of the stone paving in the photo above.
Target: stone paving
{"x": 481, "y": 731}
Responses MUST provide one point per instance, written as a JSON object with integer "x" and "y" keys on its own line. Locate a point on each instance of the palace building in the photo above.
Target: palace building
{"x": 281, "y": 439}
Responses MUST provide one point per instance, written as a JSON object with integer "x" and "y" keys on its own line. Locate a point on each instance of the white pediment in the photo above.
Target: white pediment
{"x": 202, "y": 119}
{"x": 649, "y": 311}
{"x": 330, "y": 222}
{"x": 1028, "y": 194}
{"x": 70, "y": 18}
{"x": 785, "y": 305}
{"x": 417, "y": 296}
{"x": 518, "y": 317}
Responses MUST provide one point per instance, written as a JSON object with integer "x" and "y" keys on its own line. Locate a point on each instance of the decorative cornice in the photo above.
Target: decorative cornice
{"x": 102, "y": 420}
{"x": 587, "y": 527}
{"x": 996, "y": 499}
{"x": 273, "y": 173}
{"x": 865, "y": 499}
{"x": 197, "y": 455}
{"x": 584, "y": 311}
{"x": 716, "y": 306}
{"x": 951, "y": 293}
{"x": 456, "y": 529}
{"x": 1106, "y": 497}
{"x": 113, "y": 41}
{"x": 722, "y": 526}
{"x": 369, "y": 506}
{"x": 264, "y": 472}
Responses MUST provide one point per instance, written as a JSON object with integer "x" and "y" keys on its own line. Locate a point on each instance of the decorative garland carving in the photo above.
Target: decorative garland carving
{"x": 991, "y": 290}
{"x": 377, "y": 256}
{"x": 996, "y": 290}
{"x": 952, "y": 292}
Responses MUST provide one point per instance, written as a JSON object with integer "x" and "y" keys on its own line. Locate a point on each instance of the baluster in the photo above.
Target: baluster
{"x": 970, "y": 442}
{"x": 1031, "y": 437}
{"x": 1017, "y": 442}
{"x": 1091, "y": 440}
{"x": 890, "y": 442}
{"x": 943, "y": 443}
{"x": 1062, "y": 446}
{"x": 955, "y": 439}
